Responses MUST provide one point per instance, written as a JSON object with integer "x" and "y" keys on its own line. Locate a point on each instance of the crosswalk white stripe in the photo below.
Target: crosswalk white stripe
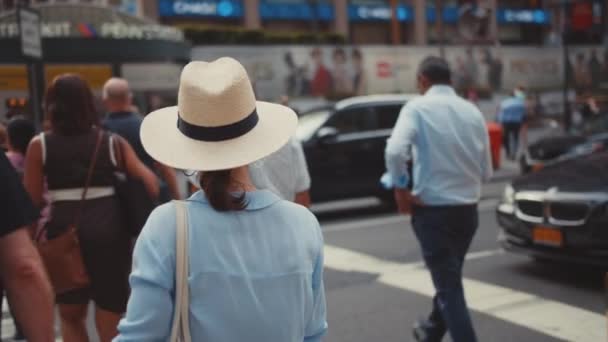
{"x": 546, "y": 316}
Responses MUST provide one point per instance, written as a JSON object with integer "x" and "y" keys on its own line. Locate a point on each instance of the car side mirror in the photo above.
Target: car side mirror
{"x": 327, "y": 135}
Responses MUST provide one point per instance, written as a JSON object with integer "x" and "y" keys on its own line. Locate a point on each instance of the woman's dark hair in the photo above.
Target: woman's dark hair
{"x": 216, "y": 185}
{"x": 436, "y": 70}
{"x": 20, "y": 133}
{"x": 70, "y": 105}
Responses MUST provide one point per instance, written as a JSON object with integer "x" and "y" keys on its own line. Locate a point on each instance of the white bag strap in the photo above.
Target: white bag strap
{"x": 43, "y": 146}
{"x": 113, "y": 151}
{"x": 180, "y": 331}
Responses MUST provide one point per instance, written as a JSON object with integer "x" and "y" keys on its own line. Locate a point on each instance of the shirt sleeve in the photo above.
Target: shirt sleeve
{"x": 16, "y": 207}
{"x": 317, "y": 326}
{"x": 399, "y": 147}
{"x": 303, "y": 178}
{"x": 149, "y": 313}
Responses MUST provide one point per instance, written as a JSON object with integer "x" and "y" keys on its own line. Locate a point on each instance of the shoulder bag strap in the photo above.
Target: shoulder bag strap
{"x": 180, "y": 331}
{"x": 121, "y": 164}
{"x": 87, "y": 183}
{"x": 43, "y": 146}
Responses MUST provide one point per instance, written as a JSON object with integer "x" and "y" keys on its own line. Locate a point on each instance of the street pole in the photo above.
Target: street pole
{"x": 395, "y": 25}
{"x": 440, "y": 27}
{"x": 567, "y": 70}
{"x": 30, "y": 39}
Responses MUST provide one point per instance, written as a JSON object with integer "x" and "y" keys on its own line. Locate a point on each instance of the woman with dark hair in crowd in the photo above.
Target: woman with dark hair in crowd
{"x": 63, "y": 155}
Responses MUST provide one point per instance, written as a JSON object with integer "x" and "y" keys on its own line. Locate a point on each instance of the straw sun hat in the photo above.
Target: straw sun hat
{"x": 217, "y": 124}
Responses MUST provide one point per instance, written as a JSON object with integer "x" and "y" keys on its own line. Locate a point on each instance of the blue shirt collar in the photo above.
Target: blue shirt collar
{"x": 440, "y": 89}
{"x": 255, "y": 200}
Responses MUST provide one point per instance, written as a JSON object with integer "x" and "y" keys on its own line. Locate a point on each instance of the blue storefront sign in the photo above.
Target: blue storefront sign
{"x": 296, "y": 10}
{"x": 405, "y": 13}
{"x": 378, "y": 13}
{"x": 450, "y": 14}
{"x": 201, "y": 8}
{"x": 523, "y": 16}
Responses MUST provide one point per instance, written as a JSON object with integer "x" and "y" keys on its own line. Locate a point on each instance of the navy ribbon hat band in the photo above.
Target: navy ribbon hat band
{"x": 218, "y": 133}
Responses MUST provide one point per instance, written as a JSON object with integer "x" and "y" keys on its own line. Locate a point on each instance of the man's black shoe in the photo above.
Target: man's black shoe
{"x": 419, "y": 331}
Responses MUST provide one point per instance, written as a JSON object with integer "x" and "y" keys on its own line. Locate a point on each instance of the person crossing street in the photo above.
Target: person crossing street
{"x": 447, "y": 137}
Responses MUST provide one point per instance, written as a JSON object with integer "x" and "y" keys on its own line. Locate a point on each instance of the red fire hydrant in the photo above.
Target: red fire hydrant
{"x": 495, "y": 133}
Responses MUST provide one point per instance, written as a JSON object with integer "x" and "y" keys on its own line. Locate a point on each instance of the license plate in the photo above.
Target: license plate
{"x": 548, "y": 237}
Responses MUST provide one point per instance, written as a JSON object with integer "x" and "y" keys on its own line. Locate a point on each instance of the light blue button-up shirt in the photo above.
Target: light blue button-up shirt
{"x": 255, "y": 275}
{"x": 447, "y": 139}
{"x": 512, "y": 110}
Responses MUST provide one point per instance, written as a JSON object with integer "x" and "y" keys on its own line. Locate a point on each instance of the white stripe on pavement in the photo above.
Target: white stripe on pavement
{"x": 546, "y": 316}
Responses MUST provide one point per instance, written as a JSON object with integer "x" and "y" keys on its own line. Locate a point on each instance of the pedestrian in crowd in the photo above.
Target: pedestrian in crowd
{"x": 121, "y": 120}
{"x": 320, "y": 81}
{"x": 359, "y": 77}
{"x": 3, "y": 138}
{"x": 64, "y": 156}
{"x": 582, "y": 77}
{"x": 459, "y": 75}
{"x": 19, "y": 131}
{"x": 285, "y": 173}
{"x": 471, "y": 70}
{"x": 512, "y": 115}
{"x": 341, "y": 80}
{"x": 604, "y": 71}
{"x": 447, "y": 139}
{"x": 255, "y": 261}
{"x": 589, "y": 107}
{"x": 595, "y": 70}
{"x": 29, "y": 292}
{"x": 494, "y": 66}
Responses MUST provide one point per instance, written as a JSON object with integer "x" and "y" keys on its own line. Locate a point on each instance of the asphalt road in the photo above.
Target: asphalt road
{"x": 377, "y": 286}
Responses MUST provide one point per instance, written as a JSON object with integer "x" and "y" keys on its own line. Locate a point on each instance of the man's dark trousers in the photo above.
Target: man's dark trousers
{"x": 511, "y": 132}
{"x": 445, "y": 234}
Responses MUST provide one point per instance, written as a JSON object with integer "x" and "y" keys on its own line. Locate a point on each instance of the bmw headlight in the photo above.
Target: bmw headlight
{"x": 508, "y": 196}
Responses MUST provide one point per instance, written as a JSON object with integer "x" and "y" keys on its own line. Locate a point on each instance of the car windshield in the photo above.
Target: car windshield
{"x": 310, "y": 122}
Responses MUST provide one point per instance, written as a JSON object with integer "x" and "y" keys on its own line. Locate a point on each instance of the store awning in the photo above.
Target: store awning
{"x": 93, "y": 34}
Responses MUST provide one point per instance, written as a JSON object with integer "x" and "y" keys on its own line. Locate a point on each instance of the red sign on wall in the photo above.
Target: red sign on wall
{"x": 384, "y": 69}
{"x": 582, "y": 16}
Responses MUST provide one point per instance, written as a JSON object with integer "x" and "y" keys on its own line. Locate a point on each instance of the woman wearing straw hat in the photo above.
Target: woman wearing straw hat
{"x": 255, "y": 262}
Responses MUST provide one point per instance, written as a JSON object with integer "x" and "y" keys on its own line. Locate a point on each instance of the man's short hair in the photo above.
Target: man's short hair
{"x": 436, "y": 70}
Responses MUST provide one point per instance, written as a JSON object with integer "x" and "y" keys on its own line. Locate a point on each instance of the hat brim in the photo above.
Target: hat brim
{"x": 165, "y": 143}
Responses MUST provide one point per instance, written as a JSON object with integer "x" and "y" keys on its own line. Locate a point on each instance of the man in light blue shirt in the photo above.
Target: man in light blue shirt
{"x": 511, "y": 114}
{"x": 446, "y": 138}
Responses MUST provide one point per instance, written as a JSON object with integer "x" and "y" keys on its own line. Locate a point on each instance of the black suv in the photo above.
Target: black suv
{"x": 344, "y": 145}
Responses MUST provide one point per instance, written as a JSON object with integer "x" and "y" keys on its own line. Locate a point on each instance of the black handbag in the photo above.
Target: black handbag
{"x": 135, "y": 202}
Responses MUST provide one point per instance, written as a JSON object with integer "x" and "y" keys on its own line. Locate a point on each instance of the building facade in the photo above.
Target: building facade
{"x": 97, "y": 40}
{"x": 414, "y": 22}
